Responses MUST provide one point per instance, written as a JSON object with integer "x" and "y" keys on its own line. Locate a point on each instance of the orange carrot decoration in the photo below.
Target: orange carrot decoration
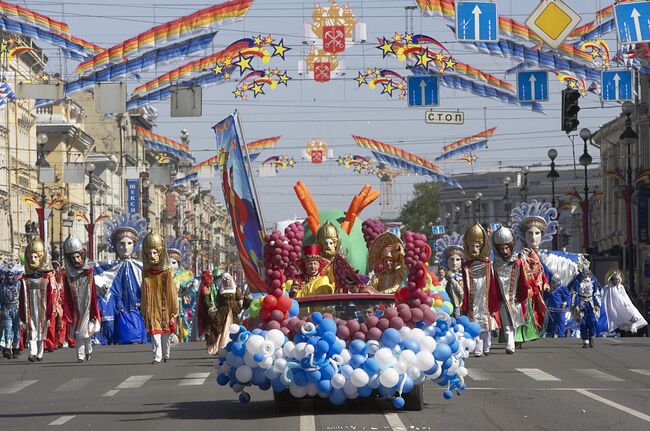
{"x": 307, "y": 202}
{"x": 365, "y": 197}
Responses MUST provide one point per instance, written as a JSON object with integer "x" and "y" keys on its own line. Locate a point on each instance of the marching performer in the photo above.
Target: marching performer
{"x": 222, "y": 304}
{"x": 557, "y": 300}
{"x": 450, "y": 256}
{"x": 312, "y": 280}
{"x": 9, "y": 303}
{"x": 621, "y": 313}
{"x": 180, "y": 258}
{"x": 586, "y": 310}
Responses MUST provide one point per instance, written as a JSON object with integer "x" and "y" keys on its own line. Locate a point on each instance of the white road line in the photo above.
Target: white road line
{"x": 537, "y": 374}
{"x": 61, "y": 420}
{"x": 111, "y": 393}
{"x": 395, "y": 422}
{"x": 477, "y": 374}
{"x": 307, "y": 423}
{"x": 134, "y": 382}
{"x": 643, "y": 372}
{"x": 618, "y": 406}
{"x": 16, "y": 386}
{"x": 74, "y": 384}
{"x": 597, "y": 375}
{"x": 194, "y": 379}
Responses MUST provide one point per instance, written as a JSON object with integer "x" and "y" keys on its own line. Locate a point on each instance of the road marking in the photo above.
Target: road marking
{"x": 618, "y": 406}
{"x": 111, "y": 393}
{"x": 537, "y": 374}
{"x": 394, "y": 421}
{"x": 134, "y": 382}
{"x": 598, "y": 375}
{"x": 16, "y": 386}
{"x": 643, "y": 372}
{"x": 61, "y": 420}
{"x": 477, "y": 374}
{"x": 74, "y": 384}
{"x": 307, "y": 423}
{"x": 194, "y": 379}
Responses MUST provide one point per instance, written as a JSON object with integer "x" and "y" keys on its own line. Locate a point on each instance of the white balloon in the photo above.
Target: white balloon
{"x": 408, "y": 357}
{"x": 237, "y": 387}
{"x": 454, "y": 366}
{"x": 462, "y": 371}
{"x": 299, "y": 351}
{"x": 400, "y": 367}
{"x": 347, "y": 370}
{"x": 338, "y": 381}
{"x": 309, "y": 349}
{"x": 253, "y": 343}
{"x": 438, "y": 371}
{"x": 461, "y": 328}
{"x": 389, "y": 378}
{"x": 413, "y": 373}
{"x": 248, "y": 360}
{"x": 243, "y": 373}
{"x": 416, "y": 334}
{"x": 279, "y": 365}
{"x": 276, "y": 337}
{"x": 267, "y": 348}
{"x": 234, "y": 360}
{"x": 266, "y": 363}
{"x": 345, "y": 354}
{"x": 312, "y": 389}
{"x": 374, "y": 382}
{"x": 424, "y": 360}
{"x": 297, "y": 391}
{"x": 385, "y": 357}
{"x": 404, "y": 333}
{"x": 234, "y": 328}
{"x": 349, "y": 389}
{"x": 371, "y": 347}
{"x": 271, "y": 373}
{"x": 289, "y": 349}
{"x": 359, "y": 378}
{"x": 428, "y": 344}
{"x": 225, "y": 368}
{"x": 279, "y": 353}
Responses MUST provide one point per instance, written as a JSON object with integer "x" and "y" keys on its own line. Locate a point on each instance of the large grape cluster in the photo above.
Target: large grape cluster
{"x": 371, "y": 229}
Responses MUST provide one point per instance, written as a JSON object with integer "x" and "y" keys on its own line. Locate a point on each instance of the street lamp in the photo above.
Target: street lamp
{"x": 43, "y": 168}
{"x": 524, "y": 184}
{"x": 553, "y": 175}
{"x": 468, "y": 208}
{"x": 585, "y": 160}
{"x": 457, "y": 218}
{"x": 629, "y": 137}
{"x": 478, "y": 197}
{"x": 506, "y": 199}
{"x": 91, "y": 188}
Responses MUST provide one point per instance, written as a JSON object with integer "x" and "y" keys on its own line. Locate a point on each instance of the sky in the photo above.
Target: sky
{"x": 336, "y": 110}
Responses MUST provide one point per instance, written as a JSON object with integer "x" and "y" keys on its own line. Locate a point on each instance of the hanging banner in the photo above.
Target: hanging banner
{"x": 133, "y": 196}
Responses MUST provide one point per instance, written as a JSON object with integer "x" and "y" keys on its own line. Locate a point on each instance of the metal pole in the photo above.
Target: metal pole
{"x": 586, "y": 209}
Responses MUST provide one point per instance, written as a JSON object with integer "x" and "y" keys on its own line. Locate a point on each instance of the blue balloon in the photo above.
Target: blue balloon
{"x": 222, "y": 379}
{"x": 390, "y": 338}
{"x": 357, "y": 360}
{"x": 473, "y": 329}
{"x": 442, "y": 325}
{"x": 326, "y": 325}
{"x": 299, "y": 376}
{"x": 314, "y": 376}
{"x": 329, "y": 338}
{"x": 244, "y": 398}
{"x": 408, "y": 385}
{"x": 277, "y": 385}
{"x": 420, "y": 324}
{"x": 266, "y": 385}
{"x": 324, "y": 386}
{"x": 454, "y": 346}
{"x": 335, "y": 349}
{"x": 370, "y": 366}
{"x": 356, "y": 347}
{"x": 258, "y": 376}
{"x": 447, "y": 363}
{"x": 432, "y": 370}
{"x": 317, "y": 317}
{"x": 258, "y": 357}
{"x": 294, "y": 309}
{"x": 299, "y": 338}
{"x": 322, "y": 347}
{"x": 386, "y": 392}
{"x": 447, "y": 395}
{"x": 442, "y": 352}
{"x": 398, "y": 402}
{"x": 337, "y": 397}
{"x": 256, "y": 331}
{"x": 365, "y": 391}
{"x": 410, "y": 345}
{"x": 313, "y": 341}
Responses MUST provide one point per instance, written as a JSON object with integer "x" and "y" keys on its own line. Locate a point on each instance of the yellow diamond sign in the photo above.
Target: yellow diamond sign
{"x": 553, "y": 21}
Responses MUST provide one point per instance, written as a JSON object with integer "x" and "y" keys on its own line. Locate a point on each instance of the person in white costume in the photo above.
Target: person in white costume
{"x": 621, "y": 313}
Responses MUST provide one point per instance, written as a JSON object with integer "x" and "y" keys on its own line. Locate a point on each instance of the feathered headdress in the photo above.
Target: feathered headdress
{"x": 133, "y": 223}
{"x": 179, "y": 248}
{"x": 540, "y": 214}
{"x": 447, "y": 244}
{"x": 12, "y": 269}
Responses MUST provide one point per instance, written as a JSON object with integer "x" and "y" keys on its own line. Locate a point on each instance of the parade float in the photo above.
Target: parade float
{"x": 351, "y": 335}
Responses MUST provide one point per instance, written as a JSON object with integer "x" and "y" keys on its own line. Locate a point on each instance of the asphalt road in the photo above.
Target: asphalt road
{"x": 548, "y": 385}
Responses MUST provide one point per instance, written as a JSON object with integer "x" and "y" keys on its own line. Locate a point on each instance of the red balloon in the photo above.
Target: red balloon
{"x": 416, "y": 315}
{"x": 265, "y": 314}
{"x": 359, "y": 336}
{"x": 396, "y": 322}
{"x": 270, "y": 302}
{"x": 374, "y": 334}
{"x": 343, "y": 332}
{"x": 390, "y": 312}
{"x": 277, "y": 315}
{"x": 363, "y": 328}
{"x": 273, "y": 324}
{"x": 284, "y": 303}
{"x": 371, "y": 322}
{"x": 353, "y": 326}
{"x": 285, "y": 331}
{"x": 383, "y": 324}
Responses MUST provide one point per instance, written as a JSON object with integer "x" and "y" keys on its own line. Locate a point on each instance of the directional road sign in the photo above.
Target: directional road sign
{"x": 553, "y": 21}
{"x": 616, "y": 85}
{"x": 395, "y": 231}
{"x": 532, "y": 86}
{"x": 438, "y": 230}
{"x": 633, "y": 22}
{"x": 477, "y": 21}
{"x": 423, "y": 90}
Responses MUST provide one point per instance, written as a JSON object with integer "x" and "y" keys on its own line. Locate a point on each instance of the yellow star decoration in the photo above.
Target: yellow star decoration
{"x": 258, "y": 89}
{"x": 595, "y": 54}
{"x": 291, "y": 162}
{"x": 218, "y": 69}
{"x": 388, "y": 88}
{"x": 268, "y": 40}
{"x": 245, "y": 87}
{"x": 279, "y": 49}
{"x": 401, "y": 86}
{"x": 572, "y": 84}
{"x": 397, "y": 37}
{"x": 244, "y": 63}
{"x": 258, "y": 40}
{"x": 606, "y": 64}
{"x": 340, "y": 160}
{"x": 284, "y": 78}
{"x": 227, "y": 61}
{"x": 237, "y": 93}
{"x": 376, "y": 71}
{"x": 386, "y": 47}
{"x": 424, "y": 59}
{"x": 369, "y": 71}
{"x": 361, "y": 79}
{"x": 357, "y": 168}
{"x": 408, "y": 37}
{"x": 450, "y": 63}
{"x": 440, "y": 57}
{"x": 226, "y": 75}
{"x": 274, "y": 71}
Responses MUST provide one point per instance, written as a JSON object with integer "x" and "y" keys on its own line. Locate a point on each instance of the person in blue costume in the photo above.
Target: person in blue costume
{"x": 586, "y": 310}
{"x": 123, "y": 277}
{"x": 106, "y": 302}
{"x": 9, "y": 312}
{"x": 557, "y": 300}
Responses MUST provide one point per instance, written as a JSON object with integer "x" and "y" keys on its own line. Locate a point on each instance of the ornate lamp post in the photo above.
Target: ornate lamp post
{"x": 478, "y": 197}
{"x": 43, "y": 167}
{"x": 506, "y": 200}
{"x": 553, "y": 175}
{"x": 524, "y": 184}
{"x": 92, "y": 189}
{"x": 629, "y": 137}
{"x": 585, "y": 160}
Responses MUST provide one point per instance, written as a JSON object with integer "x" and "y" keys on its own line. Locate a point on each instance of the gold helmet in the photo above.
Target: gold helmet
{"x": 325, "y": 232}
{"x": 476, "y": 234}
{"x": 37, "y": 247}
{"x": 153, "y": 241}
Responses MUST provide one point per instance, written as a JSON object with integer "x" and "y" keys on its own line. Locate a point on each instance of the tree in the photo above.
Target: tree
{"x": 421, "y": 212}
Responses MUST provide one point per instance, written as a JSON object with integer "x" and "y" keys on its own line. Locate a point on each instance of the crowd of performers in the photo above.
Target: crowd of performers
{"x": 46, "y": 305}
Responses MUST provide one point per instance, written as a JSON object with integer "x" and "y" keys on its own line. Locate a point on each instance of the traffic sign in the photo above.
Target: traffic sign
{"x": 553, "y": 21}
{"x": 616, "y": 85}
{"x": 633, "y": 22}
{"x": 438, "y": 230}
{"x": 494, "y": 226}
{"x": 532, "y": 86}
{"x": 477, "y": 21}
{"x": 423, "y": 90}
{"x": 444, "y": 117}
{"x": 395, "y": 231}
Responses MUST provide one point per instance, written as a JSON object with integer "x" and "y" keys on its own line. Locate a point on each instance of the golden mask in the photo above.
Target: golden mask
{"x": 328, "y": 232}
{"x": 154, "y": 251}
{"x": 36, "y": 258}
{"x": 476, "y": 235}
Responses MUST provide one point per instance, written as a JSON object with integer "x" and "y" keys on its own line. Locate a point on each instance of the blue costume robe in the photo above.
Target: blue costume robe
{"x": 107, "y": 311}
{"x": 126, "y": 278}
{"x": 557, "y": 313}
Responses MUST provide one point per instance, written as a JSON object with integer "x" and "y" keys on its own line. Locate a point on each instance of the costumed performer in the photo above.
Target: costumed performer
{"x": 222, "y": 303}
{"x": 311, "y": 281}
{"x": 36, "y": 297}
{"x": 10, "y": 288}
{"x": 621, "y": 313}
{"x": 586, "y": 310}
{"x": 56, "y": 327}
{"x": 557, "y": 299}
{"x": 159, "y": 298}
{"x": 124, "y": 234}
{"x": 106, "y": 301}
{"x": 386, "y": 259}
{"x": 80, "y": 308}
{"x": 450, "y": 255}
{"x": 480, "y": 294}
{"x": 180, "y": 258}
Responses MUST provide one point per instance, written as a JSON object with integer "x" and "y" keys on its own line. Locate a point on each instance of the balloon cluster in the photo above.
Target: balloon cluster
{"x": 294, "y": 233}
{"x": 417, "y": 258}
{"x": 319, "y": 363}
{"x": 371, "y": 229}
{"x": 373, "y": 327}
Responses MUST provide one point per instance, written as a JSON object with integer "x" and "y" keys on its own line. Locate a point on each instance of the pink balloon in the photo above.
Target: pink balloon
{"x": 359, "y": 336}
{"x": 343, "y": 332}
{"x": 390, "y": 312}
{"x": 383, "y": 324}
{"x": 363, "y": 328}
{"x": 273, "y": 325}
{"x": 277, "y": 315}
{"x": 371, "y": 321}
{"x": 374, "y": 334}
{"x": 353, "y": 326}
{"x": 416, "y": 315}
{"x": 396, "y": 322}
{"x": 285, "y": 331}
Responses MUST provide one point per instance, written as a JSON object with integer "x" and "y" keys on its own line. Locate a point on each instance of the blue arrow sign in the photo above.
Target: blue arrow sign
{"x": 616, "y": 85}
{"x": 395, "y": 231}
{"x": 477, "y": 21}
{"x": 438, "y": 230}
{"x": 423, "y": 90}
{"x": 633, "y": 22}
{"x": 532, "y": 86}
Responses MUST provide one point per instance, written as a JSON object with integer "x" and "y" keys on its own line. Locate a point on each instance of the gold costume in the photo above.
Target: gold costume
{"x": 386, "y": 258}
{"x": 319, "y": 285}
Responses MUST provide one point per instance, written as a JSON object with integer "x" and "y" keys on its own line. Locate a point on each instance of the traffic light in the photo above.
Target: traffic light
{"x": 570, "y": 110}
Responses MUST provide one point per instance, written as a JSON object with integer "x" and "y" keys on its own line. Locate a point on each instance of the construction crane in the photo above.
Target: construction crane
{"x": 386, "y": 175}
